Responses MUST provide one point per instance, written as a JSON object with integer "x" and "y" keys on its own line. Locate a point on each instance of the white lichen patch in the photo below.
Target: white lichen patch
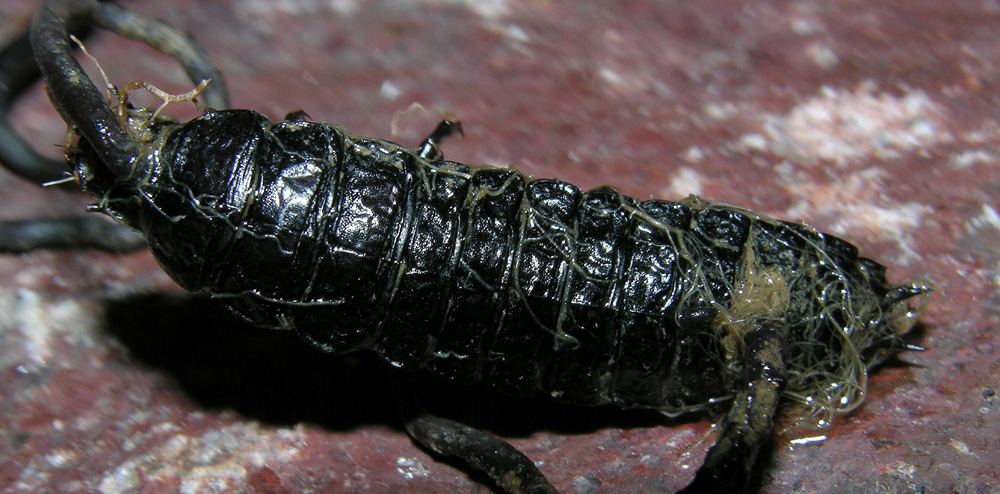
{"x": 984, "y": 229}
{"x": 841, "y": 126}
{"x": 859, "y": 205}
{"x": 33, "y": 324}
{"x": 215, "y": 461}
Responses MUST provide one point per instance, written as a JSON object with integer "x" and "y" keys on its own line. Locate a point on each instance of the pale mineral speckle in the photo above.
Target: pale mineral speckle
{"x": 611, "y": 77}
{"x": 720, "y": 111}
{"x": 175, "y": 446}
{"x": 488, "y": 9}
{"x": 86, "y": 422}
{"x": 344, "y": 7}
{"x": 988, "y": 218}
{"x": 298, "y": 7}
{"x": 805, "y": 26}
{"x": 123, "y": 479}
{"x": 165, "y": 427}
{"x": 680, "y": 439}
{"x": 686, "y": 181}
{"x": 627, "y": 80}
{"x": 753, "y": 142}
{"x": 585, "y": 485}
{"x": 32, "y": 477}
{"x": 310, "y": 78}
{"x": 693, "y": 154}
{"x": 906, "y": 470}
{"x": 357, "y": 480}
{"x": 60, "y": 457}
{"x": 514, "y": 33}
{"x": 968, "y": 158}
{"x": 806, "y": 440}
{"x": 961, "y": 447}
{"x": 389, "y": 90}
{"x": 215, "y": 479}
{"x": 411, "y": 468}
{"x": 822, "y": 55}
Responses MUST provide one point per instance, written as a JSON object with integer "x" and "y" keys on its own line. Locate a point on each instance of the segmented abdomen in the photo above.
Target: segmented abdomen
{"x": 477, "y": 273}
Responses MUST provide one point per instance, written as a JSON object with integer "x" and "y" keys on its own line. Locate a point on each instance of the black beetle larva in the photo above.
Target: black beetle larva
{"x": 475, "y": 273}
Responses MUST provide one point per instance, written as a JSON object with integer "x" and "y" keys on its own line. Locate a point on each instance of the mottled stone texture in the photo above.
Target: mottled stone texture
{"x": 877, "y": 121}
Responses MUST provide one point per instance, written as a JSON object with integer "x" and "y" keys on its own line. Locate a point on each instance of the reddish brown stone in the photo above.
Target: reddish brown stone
{"x": 876, "y": 121}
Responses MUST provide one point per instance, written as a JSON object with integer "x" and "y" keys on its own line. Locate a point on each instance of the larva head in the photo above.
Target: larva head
{"x": 188, "y": 192}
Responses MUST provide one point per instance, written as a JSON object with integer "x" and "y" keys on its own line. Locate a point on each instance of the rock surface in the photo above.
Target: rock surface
{"x": 876, "y": 121}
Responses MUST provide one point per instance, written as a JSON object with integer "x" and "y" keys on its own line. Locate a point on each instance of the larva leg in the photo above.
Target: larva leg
{"x": 748, "y": 423}
{"x": 514, "y": 472}
{"x": 430, "y": 149}
{"x": 165, "y": 38}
